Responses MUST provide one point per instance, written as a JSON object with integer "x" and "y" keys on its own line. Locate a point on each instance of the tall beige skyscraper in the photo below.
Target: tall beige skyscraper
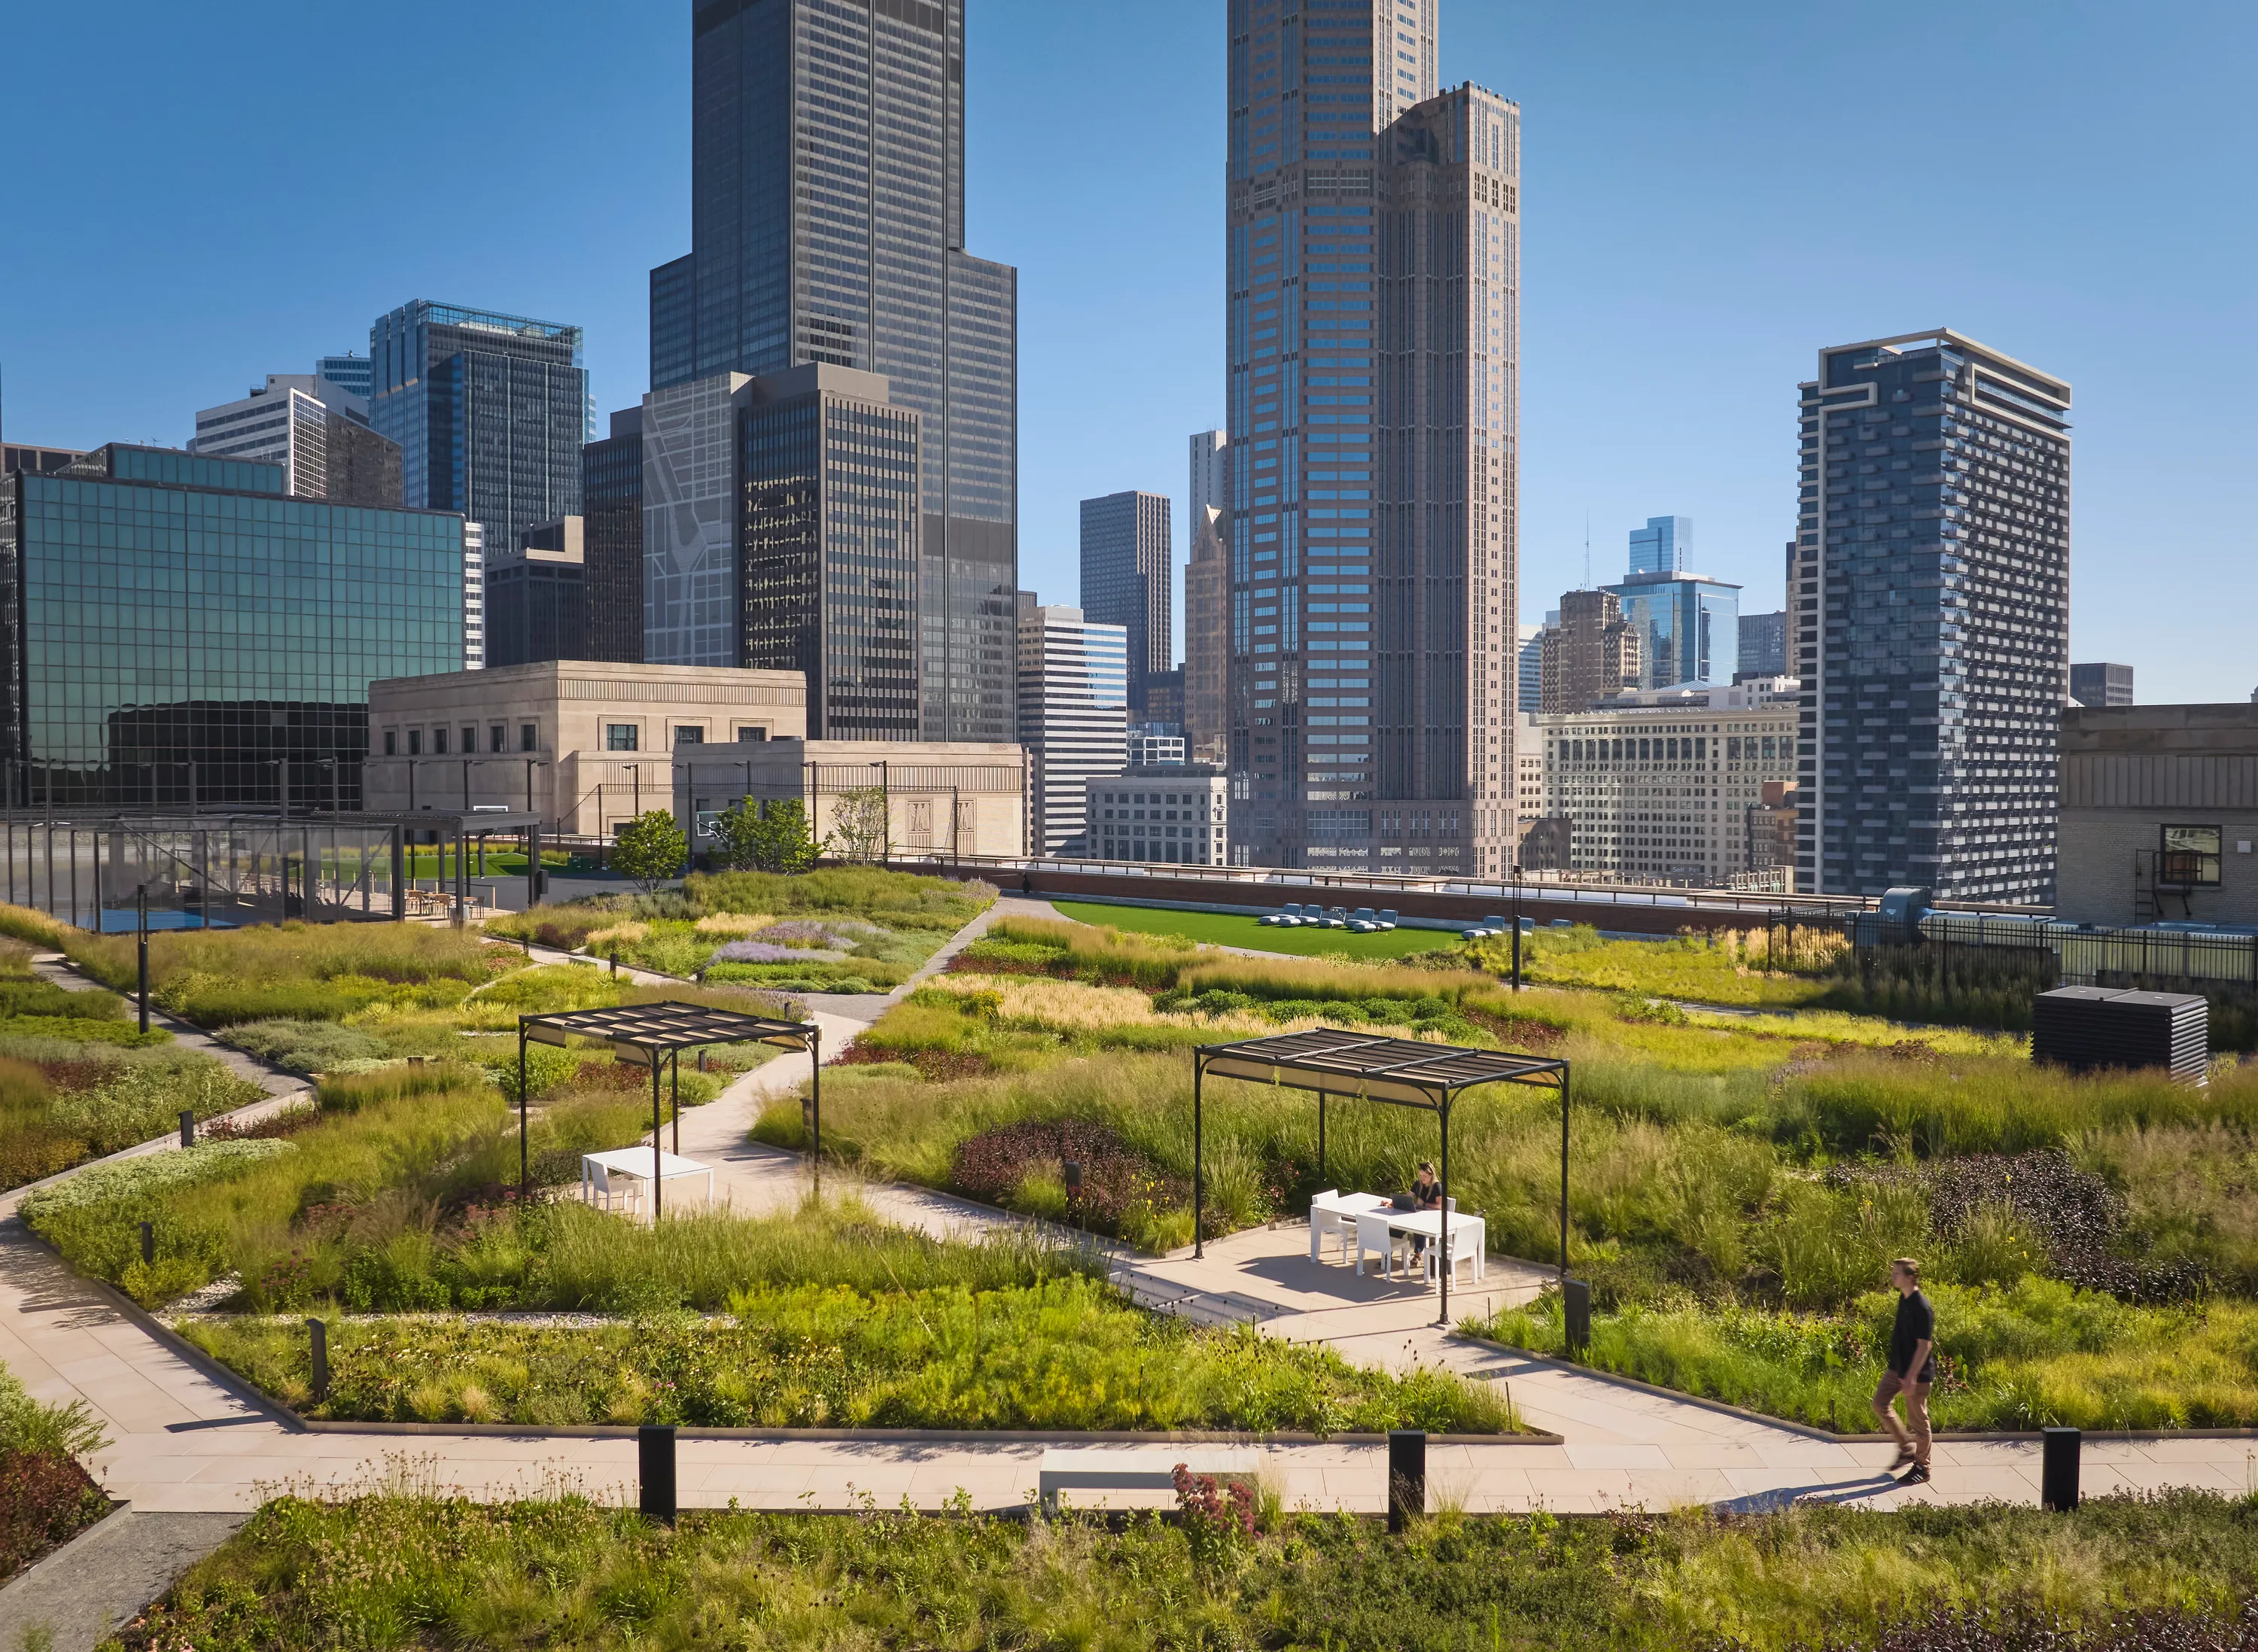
{"x": 1372, "y": 360}
{"x": 1207, "y": 640}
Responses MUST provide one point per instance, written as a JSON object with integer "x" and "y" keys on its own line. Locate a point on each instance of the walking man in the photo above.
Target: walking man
{"x": 1913, "y": 1367}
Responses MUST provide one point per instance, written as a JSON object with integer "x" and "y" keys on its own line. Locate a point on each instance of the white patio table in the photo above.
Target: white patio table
{"x": 634, "y": 1163}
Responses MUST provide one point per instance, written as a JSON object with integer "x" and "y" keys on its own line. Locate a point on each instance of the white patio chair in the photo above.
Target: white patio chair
{"x": 1467, "y": 1245}
{"x": 1374, "y": 1234}
{"x": 599, "y": 1184}
{"x": 1328, "y": 1220}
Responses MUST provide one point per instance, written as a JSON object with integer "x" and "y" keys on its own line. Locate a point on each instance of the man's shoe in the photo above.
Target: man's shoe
{"x": 1904, "y": 1457}
{"x": 1917, "y": 1475}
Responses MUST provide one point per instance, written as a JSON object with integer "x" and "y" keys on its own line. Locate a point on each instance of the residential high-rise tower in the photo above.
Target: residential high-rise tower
{"x": 827, "y": 227}
{"x": 1073, "y": 686}
{"x": 1932, "y": 594}
{"x": 1128, "y": 571}
{"x": 1372, "y": 341}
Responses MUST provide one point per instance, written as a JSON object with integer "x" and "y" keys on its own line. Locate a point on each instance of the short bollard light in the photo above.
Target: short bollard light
{"x": 317, "y": 1332}
{"x": 1576, "y": 1305}
{"x": 148, "y": 1244}
{"x": 1407, "y": 1477}
{"x": 2058, "y": 1469}
{"x": 188, "y": 1127}
{"x": 655, "y": 1463}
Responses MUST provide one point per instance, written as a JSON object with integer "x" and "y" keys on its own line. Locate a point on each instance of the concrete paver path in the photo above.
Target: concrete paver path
{"x": 185, "y": 1440}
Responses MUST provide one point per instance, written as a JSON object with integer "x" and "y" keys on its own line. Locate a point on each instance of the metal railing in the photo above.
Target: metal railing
{"x": 1258, "y": 880}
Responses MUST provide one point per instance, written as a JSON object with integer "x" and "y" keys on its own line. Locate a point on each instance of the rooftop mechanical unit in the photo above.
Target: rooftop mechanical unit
{"x": 2090, "y": 1029}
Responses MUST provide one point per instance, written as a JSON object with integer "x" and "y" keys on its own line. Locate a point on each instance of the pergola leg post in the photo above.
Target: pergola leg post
{"x": 1199, "y": 1165}
{"x": 1321, "y": 1135}
{"x": 656, "y": 1183}
{"x": 1445, "y": 1265}
{"x": 815, "y": 1106}
{"x": 1564, "y": 1185}
{"x": 674, "y": 1098}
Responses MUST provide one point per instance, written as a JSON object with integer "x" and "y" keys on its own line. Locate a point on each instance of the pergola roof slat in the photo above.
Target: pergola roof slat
{"x": 1385, "y": 1069}
{"x": 668, "y": 1025}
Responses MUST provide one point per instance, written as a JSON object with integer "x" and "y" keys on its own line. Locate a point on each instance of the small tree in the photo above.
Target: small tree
{"x": 784, "y": 843}
{"x": 765, "y": 837}
{"x": 737, "y": 835}
{"x": 859, "y": 824}
{"x": 650, "y": 850}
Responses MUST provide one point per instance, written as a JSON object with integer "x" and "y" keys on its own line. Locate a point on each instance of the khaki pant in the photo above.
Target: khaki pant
{"x": 1916, "y": 1411}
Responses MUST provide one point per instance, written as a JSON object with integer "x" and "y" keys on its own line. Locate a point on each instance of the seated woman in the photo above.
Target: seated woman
{"x": 1426, "y": 1195}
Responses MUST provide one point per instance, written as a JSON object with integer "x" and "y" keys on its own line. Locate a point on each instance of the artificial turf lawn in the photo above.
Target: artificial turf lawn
{"x": 1225, "y": 929}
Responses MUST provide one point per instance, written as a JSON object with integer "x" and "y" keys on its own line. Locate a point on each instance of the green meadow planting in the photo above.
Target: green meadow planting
{"x": 840, "y": 929}
{"x": 408, "y": 1565}
{"x": 1737, "y": 1184}
{"x": 822, "y": 1318}
{"x": 357, "y": 1194}
{"x": 78, "y": 1080}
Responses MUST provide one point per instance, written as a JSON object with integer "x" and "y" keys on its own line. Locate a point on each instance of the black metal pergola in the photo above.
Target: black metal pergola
{"x": 654, "y": 1035}
{"x": 1396, "y": 1071}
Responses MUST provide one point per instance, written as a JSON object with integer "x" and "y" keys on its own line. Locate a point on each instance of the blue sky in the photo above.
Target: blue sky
{"x": 195, "y": 196}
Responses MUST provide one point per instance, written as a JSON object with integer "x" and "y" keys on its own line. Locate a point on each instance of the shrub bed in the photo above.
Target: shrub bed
{"x": 395, "y": 1568}
{"x": 46, "y": 1498}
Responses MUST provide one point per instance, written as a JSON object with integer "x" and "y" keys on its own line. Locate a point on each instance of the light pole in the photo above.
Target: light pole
{"x": 331, "y": 763}
{"x": 141, "y": 912}
{"x": 282, "y": 766}
{"x": 1517, "y": 925}
{"x": 635, "y": 774}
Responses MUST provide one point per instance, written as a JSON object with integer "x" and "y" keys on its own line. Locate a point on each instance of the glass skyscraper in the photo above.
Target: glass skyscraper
{"x": 1931, "y": 595}
{"x": 827, "y": 471}
{"x": 827, "y": 226}
{"x": 490, "y": 412}
{"x": 1128, "y": 567}
{"x": 1662, "y": 546}
{"x": 611, "y": 489}
{"x": 1373, "y": 349}
{"x": 176, "y": 628}
{"x": 1689, "y": 628}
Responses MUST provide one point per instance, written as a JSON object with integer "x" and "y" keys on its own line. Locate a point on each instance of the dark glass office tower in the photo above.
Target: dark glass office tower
{"x": 828, "y": 203}
{"x": 827, "y": 470}
{"x": 490, "y": 412}
{"x": 1931, "y": 595}
{"x": 177, "y": 629}
{"x": 1127, "y": 579}
{"x": 611, "y": 483}
{"x": 1372, "y": 346}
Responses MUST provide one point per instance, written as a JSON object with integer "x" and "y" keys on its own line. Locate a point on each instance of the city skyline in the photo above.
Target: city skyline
{"x": 2158, "y": 434}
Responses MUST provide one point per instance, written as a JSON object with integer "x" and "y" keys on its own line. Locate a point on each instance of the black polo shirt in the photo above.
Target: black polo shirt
{"x": 1916, "y": 1323}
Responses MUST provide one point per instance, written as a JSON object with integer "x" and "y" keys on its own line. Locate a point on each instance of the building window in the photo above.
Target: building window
{"x": 2188, "y": 856}
{"x": 621, "y": 737}
{"x": 414, "y": 742}
{"x": 689, "y": 736}
{"x": 470, "y": 742}
{"x": 391, "y": 743}
{"x": 497, "y": 738}
{"x": 746, "y": 732}
{"x": 528, "y": 737}
{"x": 439, "y": 741}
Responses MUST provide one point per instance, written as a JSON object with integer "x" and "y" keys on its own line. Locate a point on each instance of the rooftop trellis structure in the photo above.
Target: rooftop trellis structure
{"x": 654, "y": 1035}
{"x": 1394, "y": 1072}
